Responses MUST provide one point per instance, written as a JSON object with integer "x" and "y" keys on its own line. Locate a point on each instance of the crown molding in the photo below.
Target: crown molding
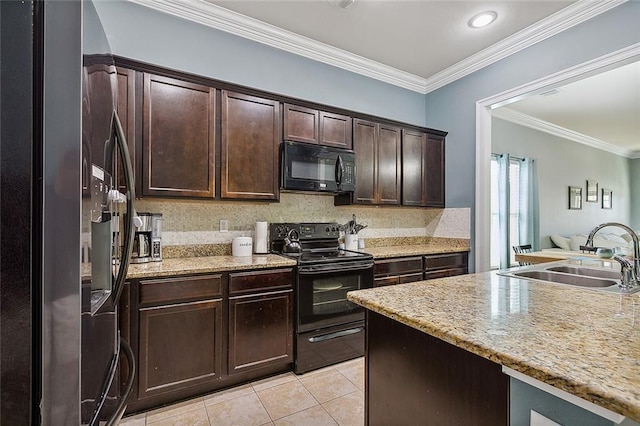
{"x": 217, "y": 17}
{"x": 576, "y": 13}
{"x": 222, "y": 19}
{"x": 517, "y": 117}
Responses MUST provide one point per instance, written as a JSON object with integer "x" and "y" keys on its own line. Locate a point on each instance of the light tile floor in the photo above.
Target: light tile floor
{"x": 331, "y": 396}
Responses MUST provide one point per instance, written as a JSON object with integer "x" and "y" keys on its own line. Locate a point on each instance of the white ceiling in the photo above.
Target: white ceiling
{"x": 424, "y": 44}
{"x": 605, "y": 107}
{"x": 419, "y": 37}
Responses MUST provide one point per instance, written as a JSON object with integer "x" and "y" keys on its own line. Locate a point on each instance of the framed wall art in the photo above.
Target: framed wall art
{"x": 592, "y": 191}
{"x": 575, "y": 198}
{"x": 607, "y": 194}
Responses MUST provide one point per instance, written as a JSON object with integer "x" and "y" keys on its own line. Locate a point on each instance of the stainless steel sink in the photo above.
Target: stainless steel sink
{"x": 577, "y": 280}
{"x": 588, "y": 272}
{"x": 597, "y": 275}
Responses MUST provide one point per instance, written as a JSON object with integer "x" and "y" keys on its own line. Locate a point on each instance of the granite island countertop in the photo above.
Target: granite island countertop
{"x": 582, "y": 341}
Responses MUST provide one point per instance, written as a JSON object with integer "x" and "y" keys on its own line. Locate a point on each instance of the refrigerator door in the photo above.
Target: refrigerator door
{"x": 105, "y": 213}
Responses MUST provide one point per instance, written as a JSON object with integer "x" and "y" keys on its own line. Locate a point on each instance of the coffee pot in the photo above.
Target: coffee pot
{"x": 147, "y": 245}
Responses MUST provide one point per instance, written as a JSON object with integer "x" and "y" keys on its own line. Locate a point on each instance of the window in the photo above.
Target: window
{"x": 514, "y": 209}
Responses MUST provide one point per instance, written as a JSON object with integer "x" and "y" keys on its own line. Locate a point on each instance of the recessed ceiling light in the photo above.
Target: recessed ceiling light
{"x": 483, "y": 19}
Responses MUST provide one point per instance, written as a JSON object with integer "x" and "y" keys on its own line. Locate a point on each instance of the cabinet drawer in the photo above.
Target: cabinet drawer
{"x": 410, "y": 278}
{"x": 442, "y": 273}
{"x": 445, "y": 261}
{"x": 381, "y": 282}
{"x": 180, "y": 289}
{"x": 251, "y": 282}
{"x": 397, "y": 266}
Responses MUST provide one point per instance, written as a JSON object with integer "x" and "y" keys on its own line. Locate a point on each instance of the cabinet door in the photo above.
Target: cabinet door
{"x": 434, "y": 170}
{"x": 260, "y": 330}
{"x": 300, "y": 124}
{"x": 365, "y": 140}
{"x": 97, "y": 108}
{"x": 413, "y": 166}
{"x": 388, "y": 168}
{"x": 180, "y": 345}
{"x": 335, "y": 130}
{"x": 126, "y": 114}
{"x": 250, "y": 141}
{"x": 178, "y": 134}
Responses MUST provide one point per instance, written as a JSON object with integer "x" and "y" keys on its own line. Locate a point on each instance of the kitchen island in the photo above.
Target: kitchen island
{"x": 440, "y": 348}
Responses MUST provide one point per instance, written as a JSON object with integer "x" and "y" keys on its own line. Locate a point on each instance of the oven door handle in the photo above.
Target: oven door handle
{"x": 323, "y": 337}
{"x": 333, "y": 267}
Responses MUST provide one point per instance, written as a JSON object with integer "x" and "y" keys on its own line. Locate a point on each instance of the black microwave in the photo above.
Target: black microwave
{"x": 307, "y": 167}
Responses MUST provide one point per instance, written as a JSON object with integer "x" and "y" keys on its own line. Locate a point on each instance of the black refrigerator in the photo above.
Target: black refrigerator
{"x": 66, "y": 216}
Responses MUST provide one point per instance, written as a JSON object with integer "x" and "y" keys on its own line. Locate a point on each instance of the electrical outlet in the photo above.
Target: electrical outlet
{"x": 224, "y": 225}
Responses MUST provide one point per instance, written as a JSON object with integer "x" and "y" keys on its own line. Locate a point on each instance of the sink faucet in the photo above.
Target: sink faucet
{"x": 630, "y": 271}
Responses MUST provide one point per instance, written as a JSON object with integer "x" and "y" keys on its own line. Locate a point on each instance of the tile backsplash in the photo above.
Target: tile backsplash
{"x": 198, "y": 222}
{"x": 192, "y": 227}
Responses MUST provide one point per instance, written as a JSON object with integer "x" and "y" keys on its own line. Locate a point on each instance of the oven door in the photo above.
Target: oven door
{"x": 322, "y": 293}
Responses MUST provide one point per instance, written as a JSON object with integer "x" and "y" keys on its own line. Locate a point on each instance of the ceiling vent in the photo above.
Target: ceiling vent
{"x": 341, "y": 3}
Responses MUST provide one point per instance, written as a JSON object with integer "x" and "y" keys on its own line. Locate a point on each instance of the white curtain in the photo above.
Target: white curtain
{"x": 529, "y": 218}
{"x": 503, "y": 209}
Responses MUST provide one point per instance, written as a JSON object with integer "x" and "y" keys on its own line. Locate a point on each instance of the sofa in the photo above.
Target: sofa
{"x": 609, "y": 240}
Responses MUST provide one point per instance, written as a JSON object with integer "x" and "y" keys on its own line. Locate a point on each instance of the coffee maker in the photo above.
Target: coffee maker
{"x": 147, "y": 242}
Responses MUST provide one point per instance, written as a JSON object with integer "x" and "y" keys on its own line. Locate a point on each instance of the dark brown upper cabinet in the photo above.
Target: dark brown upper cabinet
{"x": 319, "y": 127}
{"x": 179, "y": 138}
{"x": 301, "y": 124}
{"x": 435, "y": 170}
{"x": 335, "y": 130}
{"x": 378, "y": 151}
{"x": 422, "y": 169}
{"x": 414, "y": 189}
{"x": 250, "y": 147}
{"x": 97, "y": 108}
{"x": 127, "y": 116}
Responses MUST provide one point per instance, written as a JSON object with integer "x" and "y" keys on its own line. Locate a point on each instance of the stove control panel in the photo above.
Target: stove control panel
{"x": 306, "y": 231}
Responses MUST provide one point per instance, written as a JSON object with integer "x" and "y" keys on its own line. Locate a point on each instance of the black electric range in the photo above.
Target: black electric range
{"x": 328, "y": 328}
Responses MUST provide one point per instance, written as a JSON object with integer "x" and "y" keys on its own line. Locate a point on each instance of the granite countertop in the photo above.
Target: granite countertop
{"x": 199, "y": 265}
{"x": 204, "y": 264}
{"x": 413, "y": 250}
{"x": 582, "y": 341}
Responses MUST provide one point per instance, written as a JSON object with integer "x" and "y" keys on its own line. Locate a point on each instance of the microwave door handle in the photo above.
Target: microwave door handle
{"x": 339, "y": 170}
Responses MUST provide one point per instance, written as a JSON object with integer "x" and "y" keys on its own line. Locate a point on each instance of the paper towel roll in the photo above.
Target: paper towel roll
{"x": 261, "y": 238}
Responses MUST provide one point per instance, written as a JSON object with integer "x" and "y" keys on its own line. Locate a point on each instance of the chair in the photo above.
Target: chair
{"x": 525, "y": 248}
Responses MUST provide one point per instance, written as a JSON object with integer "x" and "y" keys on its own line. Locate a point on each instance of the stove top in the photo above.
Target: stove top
{"x": 319, "y": 242}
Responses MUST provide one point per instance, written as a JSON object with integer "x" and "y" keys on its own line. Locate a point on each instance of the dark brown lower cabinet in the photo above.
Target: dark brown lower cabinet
{"x": 180, "y": 346}
{"x": 195, "y": 334}
{"x": 414, "y": 378}
{"x": 260, "y": 330}
{"x": 397, "y": 271}
{"x": 446, "y": 265}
